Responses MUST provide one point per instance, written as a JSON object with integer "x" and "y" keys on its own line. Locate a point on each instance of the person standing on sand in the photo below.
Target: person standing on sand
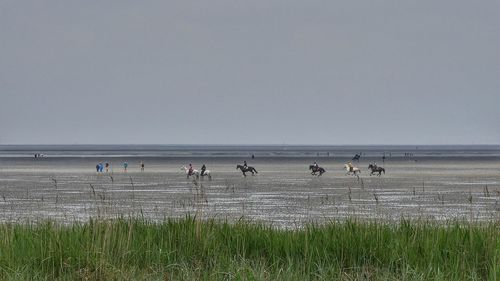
{"x": 97, "y": 167}
{"x": 142, "y": 166}
{"x": 107, "y": 167}
{"x": 125, "y": 165}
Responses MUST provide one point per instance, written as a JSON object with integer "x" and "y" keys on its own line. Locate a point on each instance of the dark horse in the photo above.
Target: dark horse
{"x": 315, "y": 170}
{"x": 376, "y": 169}
{"x": 246, "y": 169}
{"x": 356, "y": 157}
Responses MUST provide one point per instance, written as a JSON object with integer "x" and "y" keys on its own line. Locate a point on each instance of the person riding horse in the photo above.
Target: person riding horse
{"x": 190, "y": 171}
{"x": 376, "y": 169}
{"x": 351, "y": 167}
{"x": 315, "y": 168}
{"x": 203, "y": 168}
{"x": 244, "y": 169}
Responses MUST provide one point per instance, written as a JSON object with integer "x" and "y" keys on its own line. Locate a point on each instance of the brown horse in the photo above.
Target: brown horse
{"x": 315, "y": 170}
{"x": 247, "y": 169}
{"x": 376, "y": 169}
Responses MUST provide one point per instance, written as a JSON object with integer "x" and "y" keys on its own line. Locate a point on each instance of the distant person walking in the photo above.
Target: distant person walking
{"x": 142, "y": 166}
{"x": 125, "y": 166}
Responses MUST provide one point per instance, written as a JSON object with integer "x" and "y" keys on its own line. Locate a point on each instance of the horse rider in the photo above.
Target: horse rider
{"x": 245, "y": 164}
{"x": 190, "y": 171}
{"x": 203, "y": 168}
{"x": 351, "y": 167}
{"x": 315, "y": 166}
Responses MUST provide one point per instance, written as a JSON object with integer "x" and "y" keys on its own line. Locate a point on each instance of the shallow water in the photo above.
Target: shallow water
{"x": 282, "y": 193}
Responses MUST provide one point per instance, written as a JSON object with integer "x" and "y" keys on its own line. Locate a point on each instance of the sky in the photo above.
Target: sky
{"x": 250, "y": 72}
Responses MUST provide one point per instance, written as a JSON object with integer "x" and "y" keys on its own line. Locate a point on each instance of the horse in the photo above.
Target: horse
{"x": 356, "y": 157}
{"x": 244, "y": 169}
{"x": 194, "y": 172}
{"x": 315, "y": 170}
{"x": 355, "y": 170}
{"x": 206, "y": 173}
{"x": 376, "y": 169}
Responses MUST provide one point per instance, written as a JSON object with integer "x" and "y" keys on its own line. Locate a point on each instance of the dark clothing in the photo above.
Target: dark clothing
{"x": 203, "y": 168}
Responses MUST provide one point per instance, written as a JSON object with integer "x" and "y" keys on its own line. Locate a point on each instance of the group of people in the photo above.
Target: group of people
{"x": 100, "y": 167}
{"x": 191, "y": 170}
{"x": 349, "y": 164}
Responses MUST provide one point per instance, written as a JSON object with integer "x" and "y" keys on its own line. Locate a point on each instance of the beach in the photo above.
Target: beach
{"x": 67, "y": 188}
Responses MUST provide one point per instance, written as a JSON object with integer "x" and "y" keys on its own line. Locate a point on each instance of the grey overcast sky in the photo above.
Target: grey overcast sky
{"x": 250, "y": 72}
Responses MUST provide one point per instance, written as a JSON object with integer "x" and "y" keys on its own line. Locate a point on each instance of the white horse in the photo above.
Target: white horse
{"x": 355, "y": 170}
{"x": 196, "y": 173}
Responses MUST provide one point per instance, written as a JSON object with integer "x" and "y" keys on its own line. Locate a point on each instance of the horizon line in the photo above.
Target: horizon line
{"x": 244, "y": 144}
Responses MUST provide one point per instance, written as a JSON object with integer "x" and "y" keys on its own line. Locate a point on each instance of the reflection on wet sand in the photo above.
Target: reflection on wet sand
{"x": 283, "y": 193}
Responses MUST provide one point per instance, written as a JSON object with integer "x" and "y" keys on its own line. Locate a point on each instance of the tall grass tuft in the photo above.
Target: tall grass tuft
{"x": 192, "y": 249}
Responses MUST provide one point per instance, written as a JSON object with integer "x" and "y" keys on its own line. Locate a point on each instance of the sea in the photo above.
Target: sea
{"x": 306, "y": 151}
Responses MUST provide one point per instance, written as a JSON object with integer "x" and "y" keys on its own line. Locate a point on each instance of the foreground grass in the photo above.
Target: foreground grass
{"x": 189, "y": 249}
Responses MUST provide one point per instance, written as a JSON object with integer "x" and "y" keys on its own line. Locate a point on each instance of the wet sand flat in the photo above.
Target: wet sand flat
{"x": 283, "y": 193}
